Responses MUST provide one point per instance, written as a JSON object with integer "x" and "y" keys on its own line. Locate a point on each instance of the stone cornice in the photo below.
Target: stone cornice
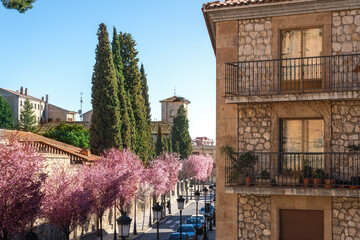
{"x": 273, "y": 9}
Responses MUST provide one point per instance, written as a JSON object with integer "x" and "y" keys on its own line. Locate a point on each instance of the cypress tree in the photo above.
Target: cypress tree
{"x": 122, "y": 96}
{"x": 27, "y": 120}
{"x": 105, "y": 129}
{"x": 169, "y": 145}
{"x": 6, "y": 115}
{"x": 132, "y": 127}
{"x": 134, "y": 87}
{"x": 160, "y": 146}
{"x": 181, "y": 140}
{"x": 145, "y": 90}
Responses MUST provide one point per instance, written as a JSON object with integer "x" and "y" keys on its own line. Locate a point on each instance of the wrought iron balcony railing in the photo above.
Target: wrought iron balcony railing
{"x": 293, "y": 169}
{"x": 295, "y": 75}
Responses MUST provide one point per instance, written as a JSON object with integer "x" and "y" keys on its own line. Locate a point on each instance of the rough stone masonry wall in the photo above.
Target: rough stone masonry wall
{"x": 346, "y": 32}
{"x": 345, "y": 124}
{"x": 255, "y": 39}
{"x": 254, "y": 127}
{"x": 346, "y": 218}
{"x": 254, "y": 217}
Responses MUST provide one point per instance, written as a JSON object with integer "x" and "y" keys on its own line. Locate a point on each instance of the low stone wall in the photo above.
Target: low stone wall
{"x": 254, "y": 217}
{"x": 346, "y": 218}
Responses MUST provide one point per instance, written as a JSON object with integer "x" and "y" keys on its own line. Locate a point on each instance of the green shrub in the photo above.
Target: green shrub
{"x": 73, "y": 134}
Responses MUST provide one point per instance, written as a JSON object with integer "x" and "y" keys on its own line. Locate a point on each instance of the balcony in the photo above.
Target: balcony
{"x": 309, "y": 78}
{"x": 319, "y": 174}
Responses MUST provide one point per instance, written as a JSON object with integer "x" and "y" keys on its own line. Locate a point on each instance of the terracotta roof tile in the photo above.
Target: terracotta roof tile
{"x": 234, "y": 3}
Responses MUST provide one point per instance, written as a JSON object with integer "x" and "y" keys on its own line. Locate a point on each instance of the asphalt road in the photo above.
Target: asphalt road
{"x": 171, "y": 223}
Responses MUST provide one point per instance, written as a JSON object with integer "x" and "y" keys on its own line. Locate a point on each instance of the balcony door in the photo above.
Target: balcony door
{"x": 301, "y": 64}
{"x": 302, "y": 142}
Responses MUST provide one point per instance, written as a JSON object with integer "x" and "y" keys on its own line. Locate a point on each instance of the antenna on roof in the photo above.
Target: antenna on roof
{"x": 80, "y": 111}
{"x": 174, "y": 91}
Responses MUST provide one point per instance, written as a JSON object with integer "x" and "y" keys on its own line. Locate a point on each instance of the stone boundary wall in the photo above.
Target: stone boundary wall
{"x": 254, "y": 219}
{"x": 254, "y": 127}
{"x": 346, "y": 218}
{"x": 345, "y": 125}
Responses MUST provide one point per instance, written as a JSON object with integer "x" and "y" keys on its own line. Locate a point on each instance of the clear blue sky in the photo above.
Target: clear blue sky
{"x": 51, "y": 50}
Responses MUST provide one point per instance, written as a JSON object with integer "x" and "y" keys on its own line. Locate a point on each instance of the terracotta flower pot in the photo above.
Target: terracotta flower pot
{"x": 307, "y": 182}
{"x": 317, "y": 182}
{"x": 329, "y": 183}
{"x": 249, "y": 181}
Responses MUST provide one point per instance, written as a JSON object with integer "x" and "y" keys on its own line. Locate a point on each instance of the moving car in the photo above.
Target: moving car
{"x": 188, "y": 229}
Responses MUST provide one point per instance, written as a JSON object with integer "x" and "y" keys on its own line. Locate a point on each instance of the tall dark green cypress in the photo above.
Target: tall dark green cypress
{"x": 145, "y": 92}
{"x": 6, "y": 115}
{"x": 105, "y": 129}
{"x": 122, "y": 96}
{"x": 169, "y": 145}
{"x": 160, "y": 146}
{"x": 132, "y": 125}
{"x": 181, "y": 140}
{"x": 27, "y": 121}
{"x": 134, "y": 87}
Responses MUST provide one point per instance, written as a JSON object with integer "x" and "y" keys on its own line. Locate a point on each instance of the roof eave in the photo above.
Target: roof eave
{"x": 211, "y": 28}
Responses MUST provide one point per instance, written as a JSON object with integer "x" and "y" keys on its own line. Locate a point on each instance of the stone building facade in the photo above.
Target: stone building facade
{"x": 290, "y": 74}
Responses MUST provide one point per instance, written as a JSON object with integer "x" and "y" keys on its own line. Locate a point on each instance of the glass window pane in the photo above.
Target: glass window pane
{"x": 291, "y": 48}
{"x": 292, "y": 135}
{"x": 314, "y": 140}
{"x": 312, "y": 42}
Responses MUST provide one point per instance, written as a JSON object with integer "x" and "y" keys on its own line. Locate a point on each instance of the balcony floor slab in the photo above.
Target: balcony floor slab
{"x": 294, "y": 191}
{"x": 290, "y": 97}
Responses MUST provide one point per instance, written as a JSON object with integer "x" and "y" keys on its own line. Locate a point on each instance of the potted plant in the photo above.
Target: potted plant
{"x": 288, "y": 176}
{"x": 265, "y": 178}
{"x": 319, "y": 177}
{"x": 307, "y": 175}
{"x": 242, "y": 165}
{"x": 247, "y": 162}
{"x": 329, "y": 180}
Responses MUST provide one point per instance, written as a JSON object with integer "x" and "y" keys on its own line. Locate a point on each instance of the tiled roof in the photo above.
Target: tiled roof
{"x": 175, "y": 99}
{"x": 234, "y": 3}
{"x": 31, "y": 137}
{"x": 22, "y": 95}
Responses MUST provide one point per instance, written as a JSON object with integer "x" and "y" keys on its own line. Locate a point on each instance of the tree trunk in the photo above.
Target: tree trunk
{"x": 101, "y": 232}
{"x": 143, "y": 219}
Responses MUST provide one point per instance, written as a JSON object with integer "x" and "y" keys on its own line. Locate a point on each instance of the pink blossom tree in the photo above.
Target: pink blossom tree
{"x": 198, "y": 167}
{"x": 67, "y": 203}
{"x": 21, "y": 179}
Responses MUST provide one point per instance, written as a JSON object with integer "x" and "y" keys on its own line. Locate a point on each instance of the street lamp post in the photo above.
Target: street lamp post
{"x": 115, "y": 238}
{"x": 191, "y": 190}
{"x": 211, "y": 189}
{"x": 214, "y": 212}
{"x": 124, "y": 225}
{"x": 197, "y": 198}
{"x": 205, "y": 192}
{"x": 157, "y": 211}
{"x": 180, "y": 202}
{"x": 186, "y": 189}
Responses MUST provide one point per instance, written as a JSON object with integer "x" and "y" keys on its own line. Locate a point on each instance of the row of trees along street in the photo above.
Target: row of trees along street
{"x": 67, "y": 196}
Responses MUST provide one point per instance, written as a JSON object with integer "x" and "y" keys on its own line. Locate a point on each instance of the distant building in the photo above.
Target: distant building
{"x": 59, "y": 114}
{"x": 17, "y": 99}
{"x": 170, "y": 106}
{"x": 44, "y": 112}
{"x": 87, "y": 116}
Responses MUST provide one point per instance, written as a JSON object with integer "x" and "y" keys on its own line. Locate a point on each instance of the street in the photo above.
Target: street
{"x": 170, "y": 224}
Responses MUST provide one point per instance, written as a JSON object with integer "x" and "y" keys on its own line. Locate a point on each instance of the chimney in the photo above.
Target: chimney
{"x": 21, "y": 90}
{"x": 26, "y": 91}
{"x": 42, "y": 98}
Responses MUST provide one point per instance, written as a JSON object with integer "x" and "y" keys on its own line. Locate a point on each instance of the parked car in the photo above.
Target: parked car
{"x": 188, "y": 229}
{"x": 199, "y": 227}
{"x": 212, "y": 209}
{"x": 176, "y": 236}
{"x": 200, "y": 217}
